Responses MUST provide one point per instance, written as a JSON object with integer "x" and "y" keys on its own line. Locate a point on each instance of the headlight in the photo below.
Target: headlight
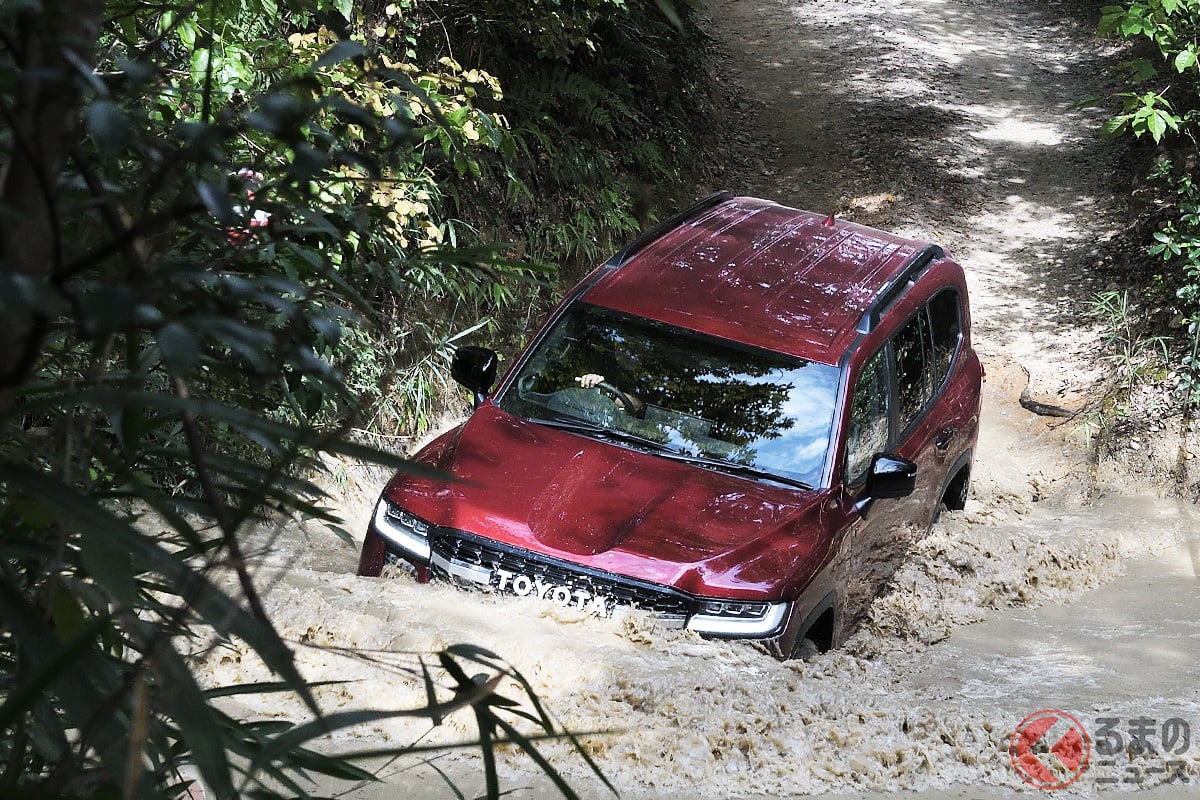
{"x": 403, "y": 530}
{"x": 737, "y": 618}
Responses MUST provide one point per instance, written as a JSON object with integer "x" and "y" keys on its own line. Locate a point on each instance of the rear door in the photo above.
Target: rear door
{"x": 930, "y": 420}
{"x": 899, "y": 405}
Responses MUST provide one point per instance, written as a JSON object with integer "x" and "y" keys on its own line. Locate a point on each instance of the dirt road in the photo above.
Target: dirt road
{"x": 1064, "y": 585}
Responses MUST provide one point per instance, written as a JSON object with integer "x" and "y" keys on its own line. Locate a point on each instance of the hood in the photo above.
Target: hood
{"x": 621, "y": 510}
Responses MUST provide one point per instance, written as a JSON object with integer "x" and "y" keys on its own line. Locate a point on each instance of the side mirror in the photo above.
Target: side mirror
{"x": 891, "y": 477}
{"x": 475, "y": 368}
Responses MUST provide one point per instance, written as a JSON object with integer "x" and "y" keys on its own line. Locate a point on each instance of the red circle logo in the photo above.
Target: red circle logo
{"x": 1050, "y": 749}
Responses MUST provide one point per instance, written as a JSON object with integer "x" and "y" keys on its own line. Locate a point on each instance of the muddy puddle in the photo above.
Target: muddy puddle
{"x": 1007, "y": 608}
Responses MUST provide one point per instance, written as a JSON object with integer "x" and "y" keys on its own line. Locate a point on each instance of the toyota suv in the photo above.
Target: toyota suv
{"x": 739, "y": 423}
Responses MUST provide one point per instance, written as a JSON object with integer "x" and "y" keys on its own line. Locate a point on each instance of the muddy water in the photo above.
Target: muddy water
{"x": 1027, "y": 600}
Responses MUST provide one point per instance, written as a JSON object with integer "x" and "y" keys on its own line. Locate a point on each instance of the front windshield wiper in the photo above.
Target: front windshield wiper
{"x": 660, "y": 449}
{"x": 747, "y": 470}
{"x": 592, "y": 429}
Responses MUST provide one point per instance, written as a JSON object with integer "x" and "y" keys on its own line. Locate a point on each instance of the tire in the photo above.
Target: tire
{"x": 806, "y": 650}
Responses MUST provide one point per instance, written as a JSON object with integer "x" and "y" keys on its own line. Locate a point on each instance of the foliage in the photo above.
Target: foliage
{"x": 567, "y": 114}
{"x": 198, "y": 216}
{"x": 1166, "y": 105}
{"x": 1177, "y": 244}
{"x": 1170, "y": 27}
{"x": 1130, "y": 354}
{"x": 605, "y": 103}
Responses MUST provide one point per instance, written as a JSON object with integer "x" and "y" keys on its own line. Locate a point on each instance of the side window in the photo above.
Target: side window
{"x": 946, "y": 329}
{"x": 869, "y": 412}
{"x": 914, "y": 379}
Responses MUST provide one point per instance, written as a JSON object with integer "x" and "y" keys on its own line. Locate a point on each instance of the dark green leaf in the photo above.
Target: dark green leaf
{"x": 104, "y": 309}
{"x": 213, "y": 605}
{"x": 341, "y": 52}
{"x": 180, "y": 347}
{"x": 185, "y": 702}
{"x": 216, "y": 199}
{"x": 109, "y": 565}
{"x": 108, "y": 125}
{"x": 50, "y": 662}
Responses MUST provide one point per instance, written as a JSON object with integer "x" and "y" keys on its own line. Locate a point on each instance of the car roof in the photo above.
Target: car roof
{"x": 759, "y": 273}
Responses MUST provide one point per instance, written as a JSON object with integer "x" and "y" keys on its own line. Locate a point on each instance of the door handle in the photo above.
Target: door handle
{"x": 945, "y": 436}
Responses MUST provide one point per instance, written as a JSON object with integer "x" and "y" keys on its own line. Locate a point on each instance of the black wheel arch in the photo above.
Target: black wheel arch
{"x": 958, "y": 482}
{"x": 819, "y": 620}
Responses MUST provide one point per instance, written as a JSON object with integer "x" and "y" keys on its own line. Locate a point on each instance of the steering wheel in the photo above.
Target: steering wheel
{"x": 627, "y": 403}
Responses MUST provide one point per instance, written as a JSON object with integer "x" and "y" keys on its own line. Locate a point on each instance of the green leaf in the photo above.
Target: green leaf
{"x": 108, "y": 124}
{"x": 326, "y": 724}
{"x": 213, "y": 605}
{"x": 14, "y": 7}
{"x": 105, "y": 308}
{"x": 216, "y": 199}
{"x": 247, "y": 341}
{"x": 1185, "y": 59}
{"x": 342, "y": 51}
{"x": 180, "y": 347}
{"x": 1115, "y": 126}
{"x": 67, "y": 613}
{"x": 241, "y": 419}
{"x": 186, "y": 704}
{"x": 262, "y": 687}
{"x": 1141, "y": 69}
{"x": 21, "y": 293}
{"x": 109, "y": 565}
{"x": 1158, "y": 121}
{"x": 186, "y": 31}
{"x": 53, "y": 663}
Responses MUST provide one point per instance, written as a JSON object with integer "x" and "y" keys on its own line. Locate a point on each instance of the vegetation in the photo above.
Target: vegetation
{"x": 227, "y": 229}
{"x": 1163, "y": 106}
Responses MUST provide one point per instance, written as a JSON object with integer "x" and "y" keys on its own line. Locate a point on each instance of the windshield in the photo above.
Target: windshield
{"x": 680, "y": 392}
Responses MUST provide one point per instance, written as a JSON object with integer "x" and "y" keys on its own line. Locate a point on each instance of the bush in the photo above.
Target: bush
{"x": 1164, "y": 106}
{"x": 185, "y": 243}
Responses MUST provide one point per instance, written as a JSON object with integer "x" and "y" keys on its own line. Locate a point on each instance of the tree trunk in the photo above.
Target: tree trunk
{"x": 48, "y": 51}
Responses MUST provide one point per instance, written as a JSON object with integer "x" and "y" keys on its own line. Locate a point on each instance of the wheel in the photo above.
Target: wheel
{"x": 955, "y": 497}
{"x": 806, "y": 650}
{"x": 817, "y": 638}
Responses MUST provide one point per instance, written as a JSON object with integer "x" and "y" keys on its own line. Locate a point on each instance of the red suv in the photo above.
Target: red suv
{"x": 739, "y": 422}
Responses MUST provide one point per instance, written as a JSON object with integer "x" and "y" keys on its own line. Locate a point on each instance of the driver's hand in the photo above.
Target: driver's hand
{"x": 590, "y": 380}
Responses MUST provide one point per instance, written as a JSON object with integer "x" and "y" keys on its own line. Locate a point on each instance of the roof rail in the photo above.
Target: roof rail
{"x": 893, "y": 289}
{"x": 666, "y": 226}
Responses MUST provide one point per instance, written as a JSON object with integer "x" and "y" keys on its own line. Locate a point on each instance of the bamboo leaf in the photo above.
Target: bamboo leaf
{"x": 342, "y": 51}
{"x": 109, "y": 564}
{"x": 216, "y": 607}
{"x": 185, "y": 702}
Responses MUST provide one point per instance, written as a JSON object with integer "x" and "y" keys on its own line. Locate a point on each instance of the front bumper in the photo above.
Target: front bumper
{"x": 474, "y": 561}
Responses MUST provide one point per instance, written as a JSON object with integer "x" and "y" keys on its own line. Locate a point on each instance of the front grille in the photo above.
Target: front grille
{"x": 467, "y": 549}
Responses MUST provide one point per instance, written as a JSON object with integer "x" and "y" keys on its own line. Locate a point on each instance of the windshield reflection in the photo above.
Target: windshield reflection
{"x": 679, "y": 391}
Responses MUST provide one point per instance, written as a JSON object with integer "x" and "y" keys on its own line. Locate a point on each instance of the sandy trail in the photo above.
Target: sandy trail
{"x": 1061, "y": 586}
